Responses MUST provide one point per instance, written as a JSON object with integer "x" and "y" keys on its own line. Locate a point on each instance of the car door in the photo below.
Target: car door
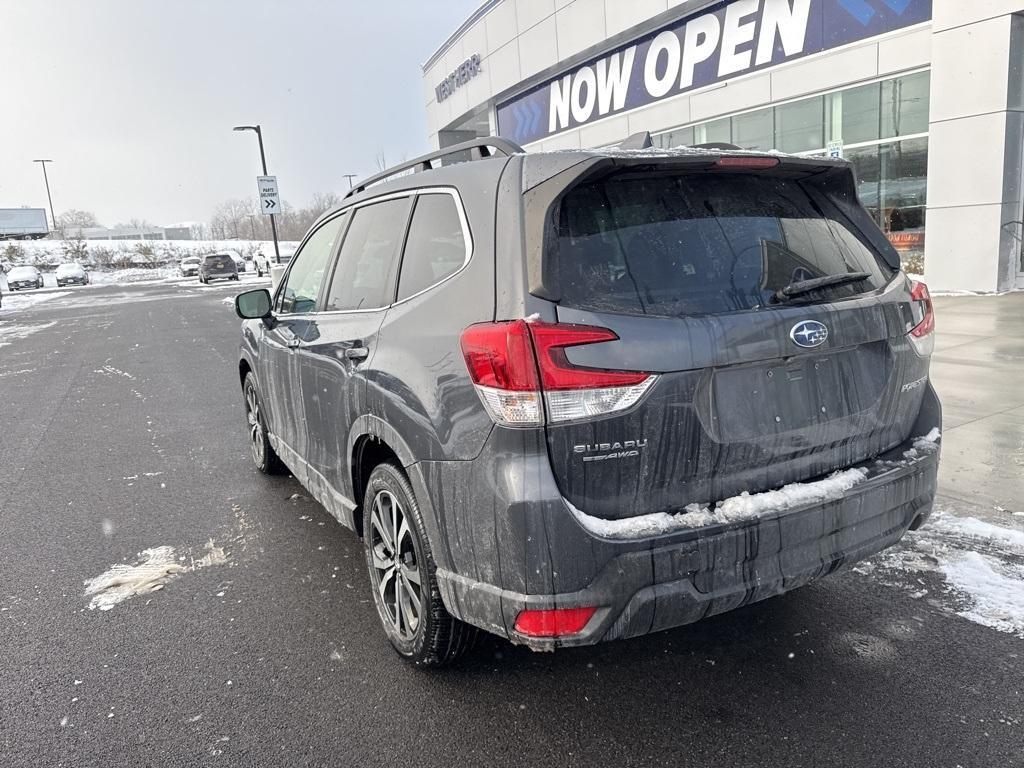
{"x": 295, "y": 304}
{"x": 336, "y": 355}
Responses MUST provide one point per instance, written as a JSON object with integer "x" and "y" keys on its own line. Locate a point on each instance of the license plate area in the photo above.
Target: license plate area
{"x": 797, "y": 393}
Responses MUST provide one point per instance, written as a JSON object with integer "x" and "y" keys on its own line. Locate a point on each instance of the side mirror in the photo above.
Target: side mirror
{"x": 253, "y": 305}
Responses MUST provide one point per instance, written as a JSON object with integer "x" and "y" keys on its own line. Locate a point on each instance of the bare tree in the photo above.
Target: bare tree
{"x": 75, "y": 219}
{"x": 199, "y": 231}
{"x": 230, "y": 219}
{"x": 135, "y": 224}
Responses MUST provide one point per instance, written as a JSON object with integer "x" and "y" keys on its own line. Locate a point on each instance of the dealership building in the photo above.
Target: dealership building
{"x": 924, "y": 97}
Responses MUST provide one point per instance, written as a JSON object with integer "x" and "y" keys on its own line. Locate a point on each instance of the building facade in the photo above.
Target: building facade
{"x": 924, "y": 97}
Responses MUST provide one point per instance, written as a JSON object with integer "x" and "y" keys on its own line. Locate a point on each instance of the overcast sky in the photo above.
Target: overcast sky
{"x": 134, "y": 100}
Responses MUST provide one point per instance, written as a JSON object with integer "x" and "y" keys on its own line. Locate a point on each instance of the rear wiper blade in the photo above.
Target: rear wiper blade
{"x": 828, "y": 281}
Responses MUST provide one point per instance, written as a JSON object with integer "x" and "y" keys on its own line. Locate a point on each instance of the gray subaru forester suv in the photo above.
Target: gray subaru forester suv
{"x": 577, "y": 396}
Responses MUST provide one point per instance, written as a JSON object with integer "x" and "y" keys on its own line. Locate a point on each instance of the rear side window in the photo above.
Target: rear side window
{"x": 306, "y": 276}
{"x": 365, "y": 275}
{"x": 436, "y": 247}
{"x": 698, "y": 244}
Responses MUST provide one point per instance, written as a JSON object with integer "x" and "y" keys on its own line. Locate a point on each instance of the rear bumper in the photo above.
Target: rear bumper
{"x": 660, "y": 582}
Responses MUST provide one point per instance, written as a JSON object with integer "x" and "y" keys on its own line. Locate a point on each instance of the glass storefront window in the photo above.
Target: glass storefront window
{"x": 905, "y": 105}
{"x": 680, "y": 137}
{"x": 799, "y": 127}
{"x": 892, "y": 185}
{"x": 715, "y": 131}
{"x": 854, "y": 114}
{"x": 754, "y": 130}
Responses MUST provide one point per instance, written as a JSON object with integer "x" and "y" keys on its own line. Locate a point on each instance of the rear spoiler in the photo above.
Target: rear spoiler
{"x": 547, "y": 179}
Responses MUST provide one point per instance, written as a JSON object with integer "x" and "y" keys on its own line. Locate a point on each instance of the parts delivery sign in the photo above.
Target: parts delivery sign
{"x": 721, "y": 42}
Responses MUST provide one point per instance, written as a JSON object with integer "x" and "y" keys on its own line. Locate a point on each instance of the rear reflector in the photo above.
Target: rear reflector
{"x": 557, "y": 622}
{"x": 514, "y": 363}
{"x": 922, "y": 334}
{"x": 747, "y": 163}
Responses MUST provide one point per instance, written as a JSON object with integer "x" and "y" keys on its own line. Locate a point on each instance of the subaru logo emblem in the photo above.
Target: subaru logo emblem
{"x": 808, "y": 334}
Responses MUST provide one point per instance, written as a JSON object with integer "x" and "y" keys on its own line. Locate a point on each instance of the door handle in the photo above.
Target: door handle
{"x": 357, "y": 353}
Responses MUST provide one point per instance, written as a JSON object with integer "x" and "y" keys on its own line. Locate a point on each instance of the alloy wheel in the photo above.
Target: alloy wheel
{"x": 396, "y": 565}
{"x": 252, "y": 413}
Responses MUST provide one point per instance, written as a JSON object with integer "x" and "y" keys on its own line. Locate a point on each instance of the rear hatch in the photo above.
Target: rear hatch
{"x": 749, "y": 389}
{"x": 220, "y": 264}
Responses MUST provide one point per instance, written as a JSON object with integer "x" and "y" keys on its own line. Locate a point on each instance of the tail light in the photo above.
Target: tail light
{"x": 922, "y": 335}
{"x": 743, "y": 163}
{"x": 520, "y": 367}
{"x": 557, "y": 622}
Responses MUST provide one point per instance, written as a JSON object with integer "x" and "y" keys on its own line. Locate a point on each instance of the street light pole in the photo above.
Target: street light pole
{"x": 252, "y": 224}
{"x": 263, "y": 160}
{"x": 46, "y": 181}
{"x": 349, "y": 176}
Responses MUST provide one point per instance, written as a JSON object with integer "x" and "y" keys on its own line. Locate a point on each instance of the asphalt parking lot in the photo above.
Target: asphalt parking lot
{"x": 122, "y": 430}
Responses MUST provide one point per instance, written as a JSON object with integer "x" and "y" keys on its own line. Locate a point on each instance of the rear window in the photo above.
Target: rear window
{"x": 219, "y": 261}
{"x": 692, "y": 244}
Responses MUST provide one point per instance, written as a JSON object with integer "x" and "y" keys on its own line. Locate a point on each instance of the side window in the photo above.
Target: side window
{"x": 309, "y": 266}
{"x": 365, "y": 275}
{"x": 436, "y": 246}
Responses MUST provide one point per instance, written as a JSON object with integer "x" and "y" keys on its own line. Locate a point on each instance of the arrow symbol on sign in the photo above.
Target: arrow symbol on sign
{"x": 269, "y": 203}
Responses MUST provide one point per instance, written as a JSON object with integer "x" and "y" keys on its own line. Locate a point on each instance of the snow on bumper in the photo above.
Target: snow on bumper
{"x": 677, "y": 571}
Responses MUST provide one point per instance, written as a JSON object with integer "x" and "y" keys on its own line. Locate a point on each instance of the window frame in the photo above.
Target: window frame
{"x": 414, "y": 194}
{"x": 275, "y": 310}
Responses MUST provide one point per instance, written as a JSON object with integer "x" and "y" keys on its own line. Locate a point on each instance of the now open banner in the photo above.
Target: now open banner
{"x": 718, "y": 43}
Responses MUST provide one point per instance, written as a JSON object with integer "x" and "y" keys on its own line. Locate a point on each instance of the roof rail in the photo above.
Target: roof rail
{"x": 640, "y": 140}
{"x": 479, "y": 148}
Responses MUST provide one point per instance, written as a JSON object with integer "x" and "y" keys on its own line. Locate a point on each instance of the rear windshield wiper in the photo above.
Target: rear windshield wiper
{"x": 809, "y": 286}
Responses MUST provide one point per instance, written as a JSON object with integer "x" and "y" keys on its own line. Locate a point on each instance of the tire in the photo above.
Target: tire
{"x": 263, "y": 455}
{"x": 419, "y": 628}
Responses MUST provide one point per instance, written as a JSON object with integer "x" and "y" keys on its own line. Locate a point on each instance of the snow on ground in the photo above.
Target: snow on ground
{"x": 149, "y": 573}
{"x": 981, "y": 566}
{"x": 23, "y": 300}
{"x": 10, "y": 333}
{"x": 153, "y": 568}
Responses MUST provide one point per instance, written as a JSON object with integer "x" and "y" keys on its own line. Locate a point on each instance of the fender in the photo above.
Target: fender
{"x": 374, "y": 426}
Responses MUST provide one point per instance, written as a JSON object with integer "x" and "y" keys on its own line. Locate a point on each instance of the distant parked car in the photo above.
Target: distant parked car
{"x": 189, "y": 267}
{"x": 71, "y": 274}
{"x": 217, "y": 266}
{"x": 263, "y": 263}
{"x": 20, "y": 278}
{"x": 237, "y": 258}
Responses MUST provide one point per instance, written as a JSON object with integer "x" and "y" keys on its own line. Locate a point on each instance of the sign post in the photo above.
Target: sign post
{"x": 273, "y": 179}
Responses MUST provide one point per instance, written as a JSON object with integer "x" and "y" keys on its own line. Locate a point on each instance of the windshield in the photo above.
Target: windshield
{"x": 702, "y": 244}
{"x": 20, "y": 273}
{"x": 68, "y": 269}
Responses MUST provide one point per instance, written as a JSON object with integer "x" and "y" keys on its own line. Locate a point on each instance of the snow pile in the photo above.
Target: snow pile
{"x": 995, "y": 590}
{"x": 746, "y": 506}
{"x": 153, "y": 568}
{"x": 52, "y": 252}
{"x": 979, "y": 562}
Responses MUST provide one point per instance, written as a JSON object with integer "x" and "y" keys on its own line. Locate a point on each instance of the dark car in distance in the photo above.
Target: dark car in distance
{"x": 217, "y": 266}
{"x": 578, "y": 396}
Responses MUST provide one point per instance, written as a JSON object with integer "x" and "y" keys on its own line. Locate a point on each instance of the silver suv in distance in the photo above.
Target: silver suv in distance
{"x": 578, "y": 396}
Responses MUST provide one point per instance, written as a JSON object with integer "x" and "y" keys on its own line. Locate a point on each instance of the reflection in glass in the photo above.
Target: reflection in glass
{"x": 799, "y": 127}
